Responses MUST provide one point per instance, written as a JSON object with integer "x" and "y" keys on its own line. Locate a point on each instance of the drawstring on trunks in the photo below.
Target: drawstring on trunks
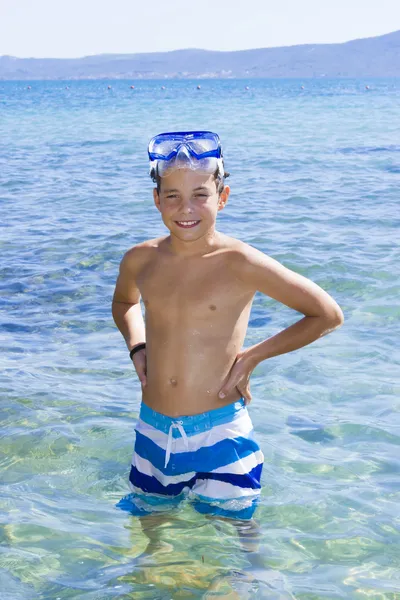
{"x": 179, "y": 426}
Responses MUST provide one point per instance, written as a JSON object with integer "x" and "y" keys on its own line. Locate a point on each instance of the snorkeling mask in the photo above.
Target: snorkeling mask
{"x": 195, "y": 150}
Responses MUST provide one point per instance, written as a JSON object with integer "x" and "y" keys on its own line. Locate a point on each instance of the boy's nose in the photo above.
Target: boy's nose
{"x": 186, "y": 205}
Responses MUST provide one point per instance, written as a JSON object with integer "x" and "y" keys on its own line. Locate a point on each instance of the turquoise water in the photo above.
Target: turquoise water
{"x": 315, "y": 184}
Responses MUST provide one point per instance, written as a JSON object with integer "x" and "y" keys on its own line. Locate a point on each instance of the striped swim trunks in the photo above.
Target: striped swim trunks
{"x": 211, "y": 458}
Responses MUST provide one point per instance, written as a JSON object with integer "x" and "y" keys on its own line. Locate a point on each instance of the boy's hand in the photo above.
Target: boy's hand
{"x": 140, "y": 364}
{"x": 239, "y": 377}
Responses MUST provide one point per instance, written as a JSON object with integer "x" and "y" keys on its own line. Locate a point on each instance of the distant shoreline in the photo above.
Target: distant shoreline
{"x": 376, "y": 57}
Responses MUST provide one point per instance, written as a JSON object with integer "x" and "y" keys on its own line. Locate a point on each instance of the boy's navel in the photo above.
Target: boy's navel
{"x": 173, "y": 381}
{"x": 212, "y": 307}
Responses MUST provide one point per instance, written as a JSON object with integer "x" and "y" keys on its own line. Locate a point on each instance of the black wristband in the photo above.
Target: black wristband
{"x": 136, "y": 349}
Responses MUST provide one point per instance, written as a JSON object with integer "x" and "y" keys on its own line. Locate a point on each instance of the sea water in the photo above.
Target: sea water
{"x": 314, "y": 171}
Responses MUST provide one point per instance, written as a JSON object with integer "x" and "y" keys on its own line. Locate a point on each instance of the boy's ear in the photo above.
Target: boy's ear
{"x": 223, "y": 197}
{"x": 156, "y": 198}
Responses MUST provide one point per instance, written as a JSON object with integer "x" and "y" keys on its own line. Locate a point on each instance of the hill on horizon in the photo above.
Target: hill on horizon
{"x": 368, "y": 57}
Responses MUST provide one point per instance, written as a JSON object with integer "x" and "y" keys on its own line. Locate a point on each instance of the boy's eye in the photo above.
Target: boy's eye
{"x": 172, "y": 196}
{"x": 201, "y": 195}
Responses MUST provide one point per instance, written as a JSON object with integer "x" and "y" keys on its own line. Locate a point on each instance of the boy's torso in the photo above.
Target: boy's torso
{"x": 196, "y": 316}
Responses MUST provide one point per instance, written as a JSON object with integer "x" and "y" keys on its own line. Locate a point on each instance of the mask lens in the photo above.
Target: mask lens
{"x": 163, "y": 147}
{"x": 199, "y": 147}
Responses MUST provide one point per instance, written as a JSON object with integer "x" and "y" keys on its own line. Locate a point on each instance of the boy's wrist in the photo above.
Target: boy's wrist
{"x": 136, "y": 348}
{"x": 251, "y": 356}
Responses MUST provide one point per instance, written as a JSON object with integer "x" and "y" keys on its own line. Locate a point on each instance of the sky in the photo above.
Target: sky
{"x": 75, "y": 28}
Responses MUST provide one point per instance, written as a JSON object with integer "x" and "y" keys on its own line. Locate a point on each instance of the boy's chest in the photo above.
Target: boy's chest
{"x": 191, "y": 289}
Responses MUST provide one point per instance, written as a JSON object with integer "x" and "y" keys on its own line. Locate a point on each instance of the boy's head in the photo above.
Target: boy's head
{"x": 189, "y": 172}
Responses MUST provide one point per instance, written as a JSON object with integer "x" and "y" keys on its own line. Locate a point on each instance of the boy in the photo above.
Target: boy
{"x": 194, "y": 435}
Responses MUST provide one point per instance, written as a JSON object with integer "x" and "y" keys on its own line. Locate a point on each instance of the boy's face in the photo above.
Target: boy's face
{"x": 187, "y": 196}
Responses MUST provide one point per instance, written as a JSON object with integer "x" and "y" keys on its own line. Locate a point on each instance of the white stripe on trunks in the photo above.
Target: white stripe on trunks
{"x": 221, "y": 489}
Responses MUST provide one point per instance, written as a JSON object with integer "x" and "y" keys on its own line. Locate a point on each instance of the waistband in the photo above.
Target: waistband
{"x": 193, "y": 424}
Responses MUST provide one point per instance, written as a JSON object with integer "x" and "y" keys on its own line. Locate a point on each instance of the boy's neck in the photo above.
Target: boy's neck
{"x": 204, "y": 245}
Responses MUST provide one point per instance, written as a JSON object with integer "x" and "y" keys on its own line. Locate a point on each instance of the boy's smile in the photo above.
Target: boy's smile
{"x": 187, "y": 224}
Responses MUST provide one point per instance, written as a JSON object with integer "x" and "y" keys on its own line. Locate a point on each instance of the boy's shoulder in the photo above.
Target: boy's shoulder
{"x": 137, "y": 256}
{"x": 144, "y": 248}
{"x": 251, "y": 265}
{"x": 240, "y": 252}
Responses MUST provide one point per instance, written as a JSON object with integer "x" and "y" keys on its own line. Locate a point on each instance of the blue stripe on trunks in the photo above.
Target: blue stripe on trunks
{"x": 207, "y": 458}
{"x": 151, "y": 485}
{"x": 218, "y": 511}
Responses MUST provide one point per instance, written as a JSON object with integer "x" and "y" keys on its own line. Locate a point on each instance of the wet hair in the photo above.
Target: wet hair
{"x": 220, "y": 181}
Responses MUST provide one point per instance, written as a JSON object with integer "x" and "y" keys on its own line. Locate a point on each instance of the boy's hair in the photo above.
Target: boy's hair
{"x": 220, "y": 181}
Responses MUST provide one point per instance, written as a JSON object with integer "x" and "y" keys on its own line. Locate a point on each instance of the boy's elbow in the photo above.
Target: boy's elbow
{"x": 339, "y": 316}
{"x": 335, "y": 318}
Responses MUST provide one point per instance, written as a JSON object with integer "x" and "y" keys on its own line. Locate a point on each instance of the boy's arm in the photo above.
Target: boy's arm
{"x": 322, "y": 313}
{"x": 126, "y": 309}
